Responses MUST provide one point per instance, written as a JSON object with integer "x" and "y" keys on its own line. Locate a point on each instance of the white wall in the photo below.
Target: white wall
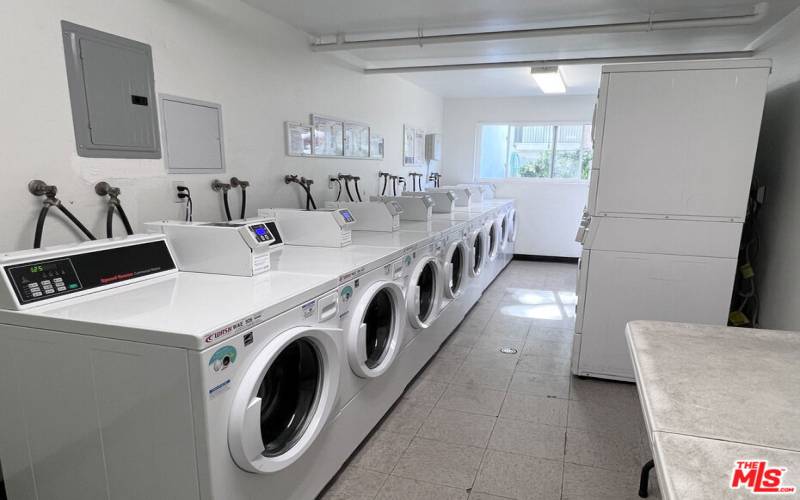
{"x": 778, "y": 167}
{"x": 549, "y": 211}
{"x": 225, "y": 51}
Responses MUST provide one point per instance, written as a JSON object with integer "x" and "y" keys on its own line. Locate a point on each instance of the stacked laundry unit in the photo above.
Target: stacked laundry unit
{"x": 674, "y": 145}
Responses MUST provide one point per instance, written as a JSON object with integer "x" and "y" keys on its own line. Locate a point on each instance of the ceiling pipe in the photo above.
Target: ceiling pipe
{"x": 759, "y": 11}
{"x": 564, "y": 62}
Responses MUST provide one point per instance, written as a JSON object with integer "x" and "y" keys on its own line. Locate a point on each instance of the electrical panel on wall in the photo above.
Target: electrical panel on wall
{"x": 112, "y": 92}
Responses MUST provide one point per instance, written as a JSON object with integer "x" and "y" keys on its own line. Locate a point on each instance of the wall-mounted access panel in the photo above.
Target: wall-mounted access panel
{"x": 112, "y": 91}
{"x": 192, "y": 130}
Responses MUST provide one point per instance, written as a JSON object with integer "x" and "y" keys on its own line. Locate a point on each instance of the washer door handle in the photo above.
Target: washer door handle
{"x": 417, "y": 300}
{"x": 362, "y": 341}
{"x": 253, "y": 444}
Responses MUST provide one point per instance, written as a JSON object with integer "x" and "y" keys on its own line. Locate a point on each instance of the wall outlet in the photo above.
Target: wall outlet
{"x": 175, "y": 185}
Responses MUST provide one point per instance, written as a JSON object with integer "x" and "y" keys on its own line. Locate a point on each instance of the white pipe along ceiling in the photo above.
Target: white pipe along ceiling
{"x": 341, "y": 44}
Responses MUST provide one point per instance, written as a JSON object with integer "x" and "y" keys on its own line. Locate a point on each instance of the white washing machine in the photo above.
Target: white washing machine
{"x": 454, "y": 256}
{"x": 477, "y": 245}
{"x": 133, "y": 380}
{"x": 373, "y": 318}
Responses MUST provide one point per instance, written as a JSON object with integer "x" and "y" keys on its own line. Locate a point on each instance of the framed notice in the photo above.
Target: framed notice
{"x": 298, "y": 139}
{"x": 356, "y": 140}
{"x": 409, "y": 137}
{"x": 376, "y": 146}
{"x": 419, "y": 146}
{"x": 328, "y": 136}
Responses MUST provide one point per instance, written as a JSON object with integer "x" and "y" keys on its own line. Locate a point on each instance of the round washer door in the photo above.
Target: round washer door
{"x": 477, "y": 243}
{"x": 512, "y": 225}
{"x": 284, "y": 399}
{"x": 493, "y": 230}
{"x": 504, "y": 230}
{"x": 424, "y": 293}
{"x": 374, "y": 336}
{"x": 455, "y": 268}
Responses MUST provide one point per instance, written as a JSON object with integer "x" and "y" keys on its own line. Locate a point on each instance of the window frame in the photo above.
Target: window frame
{"x": 476, "y": 170}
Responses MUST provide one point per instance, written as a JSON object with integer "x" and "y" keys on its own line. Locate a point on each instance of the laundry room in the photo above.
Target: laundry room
{"x": 369, "y": 250}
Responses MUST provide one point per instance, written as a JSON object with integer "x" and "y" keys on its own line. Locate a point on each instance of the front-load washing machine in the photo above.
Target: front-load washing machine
{"x": 477, "y": 246}
{"x": 454, "y": 256}
{"x": 373, "y": 322}
{"x": 133, "y": 380}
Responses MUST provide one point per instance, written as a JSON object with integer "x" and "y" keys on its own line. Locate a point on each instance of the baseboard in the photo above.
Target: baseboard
{"x": 545, "y": 258}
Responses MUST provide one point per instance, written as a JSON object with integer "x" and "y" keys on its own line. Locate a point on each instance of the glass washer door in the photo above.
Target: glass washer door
{"x": 284, "y": 398}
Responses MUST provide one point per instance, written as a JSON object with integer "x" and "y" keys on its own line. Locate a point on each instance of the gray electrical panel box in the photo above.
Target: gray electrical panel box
{"x": 192, "y": 133}
{"x": 112, "y": 92}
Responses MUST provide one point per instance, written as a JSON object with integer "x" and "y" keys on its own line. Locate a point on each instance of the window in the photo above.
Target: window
{"x": 535, "y": 151}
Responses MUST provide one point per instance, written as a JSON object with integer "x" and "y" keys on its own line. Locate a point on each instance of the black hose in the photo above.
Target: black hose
{"x": 125, "y": 221}
{"x": 403, "y": 182}
{"x": 37, "y": 237}
{"x": 76, "y": 221}
{"x": 394, "y": 186}
{"x": 385, "y": 183}
{"x": 227, "y": 207}
{"x": 339, "y": 193}
{"x": 244, "y": 203}
{"x": 347, "y": 188}
{"x": 358, "y": 191}
{"x": 110, "y": 221}
{"x": 311, "y": 198}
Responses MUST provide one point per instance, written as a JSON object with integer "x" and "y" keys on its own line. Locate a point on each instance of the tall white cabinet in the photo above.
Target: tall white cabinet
{"x": 674, "y": 145}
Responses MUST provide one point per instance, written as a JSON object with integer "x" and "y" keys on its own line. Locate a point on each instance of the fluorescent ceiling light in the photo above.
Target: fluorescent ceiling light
{"x": 549, "y": 79}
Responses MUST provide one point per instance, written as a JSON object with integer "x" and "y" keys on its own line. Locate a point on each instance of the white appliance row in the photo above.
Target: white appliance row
{"x": 257, "y": 371}
{"x": 674, "y": 146}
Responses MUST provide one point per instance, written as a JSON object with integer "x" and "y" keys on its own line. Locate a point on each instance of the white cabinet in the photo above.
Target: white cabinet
{"x": 678, "y": 139}
{"x": 674, "y": 145}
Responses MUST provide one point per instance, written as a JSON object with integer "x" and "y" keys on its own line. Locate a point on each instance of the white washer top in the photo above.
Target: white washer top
{"x": 188, "y": 310}
{"x": 331, "y": 261}
{"x": 433, "y": 226}
{"x": 402, "y": 240}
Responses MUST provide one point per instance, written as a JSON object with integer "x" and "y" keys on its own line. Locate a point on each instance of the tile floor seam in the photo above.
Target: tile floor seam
{"x": 427, "y": 482}
{"x": 566, "y": 430}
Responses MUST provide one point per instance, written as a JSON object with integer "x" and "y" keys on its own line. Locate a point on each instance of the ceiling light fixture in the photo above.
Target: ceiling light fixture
{"x": 549, "y": 79}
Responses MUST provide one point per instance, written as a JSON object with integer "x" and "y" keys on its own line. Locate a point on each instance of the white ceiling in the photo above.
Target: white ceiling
{"x": 364, "y": 19}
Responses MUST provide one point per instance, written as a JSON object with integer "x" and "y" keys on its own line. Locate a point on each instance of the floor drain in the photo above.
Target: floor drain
{"x": 508, "y": 350}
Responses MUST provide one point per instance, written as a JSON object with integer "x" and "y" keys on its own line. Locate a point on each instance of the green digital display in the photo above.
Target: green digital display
{"x": 37, "y": 269}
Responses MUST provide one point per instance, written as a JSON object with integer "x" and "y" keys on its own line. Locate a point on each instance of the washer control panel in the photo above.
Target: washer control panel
{"x": 36, "y": 280}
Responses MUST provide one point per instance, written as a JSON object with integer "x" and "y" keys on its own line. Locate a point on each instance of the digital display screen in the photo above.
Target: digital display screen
{"x": 347, "y": 216}
{"x": 261, "y": 233}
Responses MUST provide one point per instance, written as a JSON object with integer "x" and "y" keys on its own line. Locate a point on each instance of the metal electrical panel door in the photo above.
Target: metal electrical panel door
{"x": 192, "y": 135}
{"x": 112, "y": 92}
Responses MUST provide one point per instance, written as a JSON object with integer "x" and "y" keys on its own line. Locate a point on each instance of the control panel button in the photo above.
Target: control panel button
{"x": 37, "y": 294}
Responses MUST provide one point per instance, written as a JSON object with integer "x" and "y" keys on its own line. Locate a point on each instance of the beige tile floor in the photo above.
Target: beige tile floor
{"x": 480, "y": 424}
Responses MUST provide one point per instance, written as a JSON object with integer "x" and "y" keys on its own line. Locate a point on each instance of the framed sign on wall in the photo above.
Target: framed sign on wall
{"x": 356, "y": 140}
{"x": 298, "y": 139}
{"x": 328, "y": 136}
{"x": 376, "y": 147}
